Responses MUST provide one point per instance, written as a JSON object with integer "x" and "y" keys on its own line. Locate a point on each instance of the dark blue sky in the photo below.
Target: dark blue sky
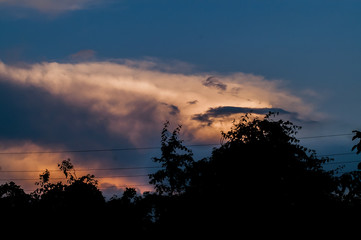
{"x": 305, "y": 42}
{"x": 313, "y": 46}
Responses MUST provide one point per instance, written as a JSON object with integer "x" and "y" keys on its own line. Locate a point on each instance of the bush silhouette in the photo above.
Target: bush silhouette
{"x": 260, "y": 177}
{"x": 13, "y": 197}
{"x": 260, "y": 172}
{"x": 80, "y": 193}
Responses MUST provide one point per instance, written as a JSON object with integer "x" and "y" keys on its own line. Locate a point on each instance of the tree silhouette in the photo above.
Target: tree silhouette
{"x": 68, "y": 169}
{"x": 176, "y": 161}
{"x": 349, "y": 184}
{"x": 259, "y": 177}
{"x": 260, "y": 171}
{"x": 349, "y": 190}
{"x": 263, "y": 158}
{"x": 358, "y": 145}
{"x": 80, "y": 193}
{"x": 13, "y": 197}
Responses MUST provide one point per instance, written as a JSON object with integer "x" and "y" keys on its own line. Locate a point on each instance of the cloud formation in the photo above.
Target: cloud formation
{"x": 131, "y": 101}
{"x": 83, "y": 55}
{"x": 124, "y": 104}
{"x": 51, "y": 5}
{"x": 225, "y": 111}
{"x": 214, "y": 82}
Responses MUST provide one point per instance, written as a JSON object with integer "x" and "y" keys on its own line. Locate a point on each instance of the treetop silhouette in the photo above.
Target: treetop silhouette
{"x": 259, "y": 172}
{"x": 176, "y": 162}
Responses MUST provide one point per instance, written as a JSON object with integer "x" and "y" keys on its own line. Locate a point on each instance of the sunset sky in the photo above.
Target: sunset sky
{"x": 104, "y": 74}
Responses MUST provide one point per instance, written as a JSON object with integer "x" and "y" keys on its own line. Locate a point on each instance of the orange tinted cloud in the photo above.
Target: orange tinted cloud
{"x": 24, "y": 169}
{"x": 51, "y": 5}
{"x": 136, "y": 98}
{"x": 132, "y": 100}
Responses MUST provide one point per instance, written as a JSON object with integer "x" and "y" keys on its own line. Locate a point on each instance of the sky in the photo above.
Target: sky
{"x": 102, "y": 74}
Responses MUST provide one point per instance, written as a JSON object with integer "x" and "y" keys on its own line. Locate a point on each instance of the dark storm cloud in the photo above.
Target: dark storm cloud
{"x": 53, "y": 106}
{"x": 173, "y": 109}
{"x": 30, "y": 113}
{"x": 192, "y": 102}
{"x": 214, "y": 82}
{"x": 225, "y": 111}
{"x": 107, "y": 103}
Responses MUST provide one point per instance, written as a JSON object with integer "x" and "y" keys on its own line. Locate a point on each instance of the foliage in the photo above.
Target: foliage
{"x": 13, "y": 197}
{"x": 176, "y": 162}
{"x": 80, "y": 192}
{"x": 349, "y": 184}
{"x": 260, "y": 174}
{"x": 264, "y": 159}
{"x": 66, "y": 167}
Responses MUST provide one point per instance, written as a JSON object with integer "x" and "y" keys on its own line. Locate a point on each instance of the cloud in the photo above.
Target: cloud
{"x": 173, "y": 110}
{"x": 31, "y": 163}
{"x": 118, "y": 104}
{"x": 30, "y": 113}
{"x": 129, "y": 101}
{"x": 83, "y": 55}
{"x": 214, "y": 82}
{"x": 225, "y": 111}
{"x": 193, "y": 102}
{"x": 50, "y": 6}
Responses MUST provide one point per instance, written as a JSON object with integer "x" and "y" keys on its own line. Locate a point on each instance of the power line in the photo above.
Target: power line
{"x": 343, "y": 162}
{"x": 149, "y": 167}
{"x": 78, "y": 151}
{"x": 135, "y": 175}
{"x": 143, "y": 148}
{"x": 146, "y": 148}
{"x": 118, "y": 176}
{"x": 82, "y": 169}
{"x": 99, "y": 150}
{"x": 110, "y": 187}
{"x": 63, "y": 178}
{"x": 325, "y": 136}
{"x": 336, "y": 154}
